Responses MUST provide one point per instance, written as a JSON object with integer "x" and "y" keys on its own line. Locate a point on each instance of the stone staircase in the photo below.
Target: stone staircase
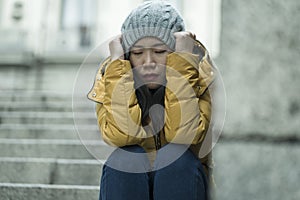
{"x": 41, "y": 153}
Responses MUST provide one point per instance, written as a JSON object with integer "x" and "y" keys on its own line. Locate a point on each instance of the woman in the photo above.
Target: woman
{"x": 154, "y": 104}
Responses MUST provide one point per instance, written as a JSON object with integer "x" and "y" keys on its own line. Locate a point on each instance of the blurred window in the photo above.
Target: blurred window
{"x": 79, "y": 16}
{"x": 203, "y": 17}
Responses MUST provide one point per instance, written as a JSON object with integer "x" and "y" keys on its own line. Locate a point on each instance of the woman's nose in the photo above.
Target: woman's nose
{"x": 148, "y": 59}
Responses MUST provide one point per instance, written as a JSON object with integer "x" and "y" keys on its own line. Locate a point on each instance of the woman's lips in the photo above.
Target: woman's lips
{"x": 150, "y": 77}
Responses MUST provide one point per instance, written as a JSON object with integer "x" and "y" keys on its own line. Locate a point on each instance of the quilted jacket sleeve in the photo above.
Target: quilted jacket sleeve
{"x": 117, "y": 108}
{"x": 187, "y": 102}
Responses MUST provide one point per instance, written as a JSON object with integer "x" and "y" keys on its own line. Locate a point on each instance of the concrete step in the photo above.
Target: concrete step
{"x": 44, "y": 127}
{"x": 46, "y": 117}
{"x": 44, "y": 133}
{"x": 16, "y": 95}
{"x": 50, "y": 171}
{"x": 56, "y": 106}
{"x": 50, "y": 131}
{"x": 17, "y": 191}
{"x": 71, "y": 149}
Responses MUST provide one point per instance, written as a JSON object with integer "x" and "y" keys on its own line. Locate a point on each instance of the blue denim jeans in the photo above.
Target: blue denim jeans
{"x": 184, "y": 178}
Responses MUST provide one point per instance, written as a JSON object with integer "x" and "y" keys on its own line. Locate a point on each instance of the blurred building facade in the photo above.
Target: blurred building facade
{"x": 50, "y": 28}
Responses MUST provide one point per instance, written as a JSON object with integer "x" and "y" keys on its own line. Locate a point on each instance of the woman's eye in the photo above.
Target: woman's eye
{"x": 136, "y": 52}
{"x": 160, "y": 51}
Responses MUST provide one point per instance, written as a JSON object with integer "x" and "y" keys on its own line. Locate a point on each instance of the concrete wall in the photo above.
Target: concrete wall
{"x": 259, "y": 62}
{"x": 258, "y": 156}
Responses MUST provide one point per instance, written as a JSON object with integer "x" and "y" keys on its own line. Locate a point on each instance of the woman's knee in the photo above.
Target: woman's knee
{"x": 184, "y": 177}
{"x": 175, "y": 155}
{"x": 117, "y": 185}
{"x": 133, "y": 149}
{"x": 131, "y": 159}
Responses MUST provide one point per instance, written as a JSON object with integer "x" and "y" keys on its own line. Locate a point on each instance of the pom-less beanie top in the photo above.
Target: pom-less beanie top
{"x": 154, "y": 19}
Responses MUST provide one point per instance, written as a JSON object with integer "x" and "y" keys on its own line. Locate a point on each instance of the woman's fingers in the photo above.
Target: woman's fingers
{"x": 184, "y": 41}
{"x": 116, "y": 49}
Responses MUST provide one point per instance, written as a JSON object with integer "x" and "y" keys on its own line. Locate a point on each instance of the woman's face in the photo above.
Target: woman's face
{"x": 148, "y": 57}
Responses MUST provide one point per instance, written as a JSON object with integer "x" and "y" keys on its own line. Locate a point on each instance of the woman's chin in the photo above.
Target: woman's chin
{"x": 153, "y": 85}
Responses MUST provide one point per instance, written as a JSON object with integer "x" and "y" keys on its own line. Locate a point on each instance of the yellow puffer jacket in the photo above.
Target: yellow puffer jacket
{"x": 187, "y": 103}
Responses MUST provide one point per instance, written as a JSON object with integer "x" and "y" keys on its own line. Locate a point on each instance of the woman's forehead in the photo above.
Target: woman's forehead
{"x": 148, "y": 42}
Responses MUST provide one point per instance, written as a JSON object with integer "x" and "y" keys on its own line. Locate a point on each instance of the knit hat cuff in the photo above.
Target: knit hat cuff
{"x": 129, "y": 38}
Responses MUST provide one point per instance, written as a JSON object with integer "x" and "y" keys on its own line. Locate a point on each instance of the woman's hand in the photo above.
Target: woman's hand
{"x": 116, "y": 49}
{"x": 184, "y": 41}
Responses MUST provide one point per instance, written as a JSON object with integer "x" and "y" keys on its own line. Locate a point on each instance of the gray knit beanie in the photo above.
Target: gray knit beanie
{"x": 152, "y": 18}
